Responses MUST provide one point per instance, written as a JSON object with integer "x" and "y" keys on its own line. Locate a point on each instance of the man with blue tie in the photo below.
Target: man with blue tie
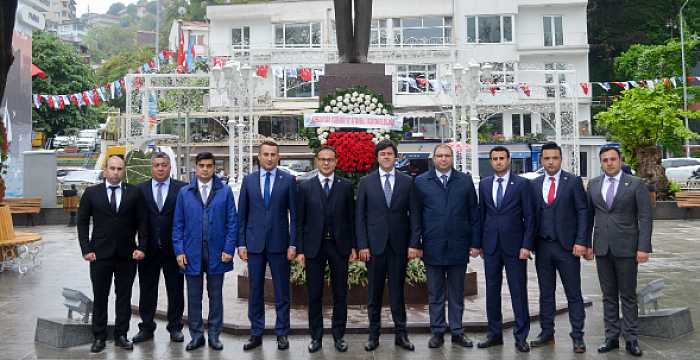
{"x": 507, "y": 228}
{"x": 267, "y": 235}
{"x": 449, "y": 227}
{"x": 560, "y": 242}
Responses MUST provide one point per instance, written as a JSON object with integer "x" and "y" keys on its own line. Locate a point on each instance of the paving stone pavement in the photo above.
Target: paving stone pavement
{"x": 23, "y": 298}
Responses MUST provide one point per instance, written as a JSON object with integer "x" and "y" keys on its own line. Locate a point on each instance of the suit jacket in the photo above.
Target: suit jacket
{"x": 449, "y": 217}
{"x": 113, "y": 234}
{"x": 160, "y": 223}
{"x": 378, "y": 225}
{"x": 273, "y": 228}
{"x": 625, "y": 228}
{"x": 312, "y": 204}
{"x": 570, "y": 209}
{"x": 512, "y": 226}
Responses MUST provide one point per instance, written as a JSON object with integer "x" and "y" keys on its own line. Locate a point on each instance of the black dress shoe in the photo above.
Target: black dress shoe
{"x": 97, "y": 346}
{"x": 282, "y": 343}
{"x": 462, "y": 340}
{"x": 489, "y": 342}
{"x": 632, "y": 348}
{"x": 372, "y": 344}
{"x": 522, "y": 346}
{"x": 195, "y": 344}
{"x": 436, "y": 341}
{"x": 252, "y": 343}
{"x": 122, "y": 342}
{"x": 609, "y": 345}
{"x": 315, "y": 345}
{"x": 579, "y": 346}
{"x": 341, "y": 345}
{"x": 177, "y": 336}
{"x": 542, "y": 341}
{"x": 142, "y": 336}
{"x": 216, "y": 344}
{"x": 403, "y": 342}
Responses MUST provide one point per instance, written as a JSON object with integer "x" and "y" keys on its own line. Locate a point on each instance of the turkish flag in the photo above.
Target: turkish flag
{"x": 181, "y": 53}
{"x": 261, "y": 71}
{"x": 305, "y": 74}
{"x": 38, "y": 72}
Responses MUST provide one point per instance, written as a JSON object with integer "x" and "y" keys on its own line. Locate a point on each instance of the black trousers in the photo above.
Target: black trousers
{"x": 618, "y": 283}
{"x": 149, "y": 270}
{"x": 101, "y": 272}
{"x": 315, "y": 270}
{"x": 391, "y": 265}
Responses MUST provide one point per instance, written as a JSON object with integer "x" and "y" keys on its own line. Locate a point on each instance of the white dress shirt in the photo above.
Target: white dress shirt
{"x": 322, "y": 179}
{"x": 273, "y": 174}
{"x": 392, "y": 177}
{"x": 504, "y": 184}
{"x": 117, "y": 193}
{"x": 163, "y": 190}
{"x": 201, "y": 190}
{"x": 440, "y": 174}
{"x": 606, "y": 184}
{"x": 547, "y": 183}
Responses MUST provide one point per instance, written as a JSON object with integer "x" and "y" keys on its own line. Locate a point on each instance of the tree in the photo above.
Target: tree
{"x": 642, "y": 120}
{"x": 106, "y": 41}
{"x": 656, "y": 61}
{"x": 116, "y": 8}
{"x": 126, "y": 61}
{"x": 7, "y": 24}
{"x": 66, "y": 74}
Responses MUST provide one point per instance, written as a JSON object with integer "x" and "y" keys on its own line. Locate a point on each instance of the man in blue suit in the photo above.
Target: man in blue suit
{"x": 267, "y": 234}
{"x": 560, "y": 241}
{"x": 449, "y": 227}
{"x": 204, "y": 241}
{"x": 507, "y": 228}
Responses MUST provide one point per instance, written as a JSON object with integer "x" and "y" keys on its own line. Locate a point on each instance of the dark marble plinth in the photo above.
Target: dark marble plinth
{"x": 343, "y": 76}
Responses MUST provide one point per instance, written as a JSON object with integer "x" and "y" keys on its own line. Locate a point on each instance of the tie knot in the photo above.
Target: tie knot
{"x": 113, "y": 187}
{"x": 387, "y": 175}
{"x": 267, "y": 174}
{"x": 500, "y": 180}
{"x": 204, "y": 187}
{"x": 160, "y": 184}
{"x": 611, "y": 179}
{"x": 552, "y": 179}
{"x": 444, "y": 177}
{"x": 326, "y": 180}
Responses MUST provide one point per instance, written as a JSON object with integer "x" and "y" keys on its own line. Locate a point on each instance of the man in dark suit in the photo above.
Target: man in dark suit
{"x": 267, "y": 235}
{"x": 326, "y": 235}
{"x": 560, "y": 242}
{"x": 620, "y": 219}
{"x": 387, "y": 235}
{"x": 117, "y": 212}
{"x": 159, "y": 194}
{"x": 449, "y": 227}
{"x": 507, "y": 227}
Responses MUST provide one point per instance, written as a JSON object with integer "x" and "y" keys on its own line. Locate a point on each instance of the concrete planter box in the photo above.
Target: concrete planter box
{"x": 669, "y": 210}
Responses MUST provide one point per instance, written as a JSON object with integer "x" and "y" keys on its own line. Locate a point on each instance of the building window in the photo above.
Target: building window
{"x": 583, "y": 164}
{"x": 428, "y": 126}
{"x": 291, "y": 85}
{"x": 490, "y": 29}
{"x": 304, "y": 35}
{"x": 279, "y": 127}
{"x": 527, "y": 124}
{"x": 549, "y": 79}
{"x": 516, "y": 125}
{"x": 195, "y": 40}
{"x": 379, "y": 35}
{"x": 501, "y": 74}
{"x": 240, "y": 37}
{"x": 553, "y": 31}
{"x": 413, "y": 31}
{"x": 416, "y": 78}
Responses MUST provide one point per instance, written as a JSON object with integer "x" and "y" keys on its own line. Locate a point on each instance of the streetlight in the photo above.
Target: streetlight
{"x": 685, "y": 78}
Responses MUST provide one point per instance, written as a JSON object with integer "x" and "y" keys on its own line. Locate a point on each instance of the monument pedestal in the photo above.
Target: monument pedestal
{"x": 63, "y": 333}
{"x": 343, "y": 76}
{"x": 666, "y": 323}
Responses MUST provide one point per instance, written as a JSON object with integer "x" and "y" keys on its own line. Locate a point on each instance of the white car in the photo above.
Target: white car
{"x": 678, "y": 162}
{"x": 683, "y": 174}
{"x": 533, "y": 174}
{"x": 61, "y": 141}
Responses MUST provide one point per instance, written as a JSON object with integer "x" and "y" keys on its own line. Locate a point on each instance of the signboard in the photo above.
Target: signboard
{"x": 362, "y": 121}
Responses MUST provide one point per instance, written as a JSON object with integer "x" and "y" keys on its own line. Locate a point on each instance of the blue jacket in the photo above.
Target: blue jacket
{"x": 449, "y": 217}
{"x": 190, "y": 215}
{"x": 269, "y": 229}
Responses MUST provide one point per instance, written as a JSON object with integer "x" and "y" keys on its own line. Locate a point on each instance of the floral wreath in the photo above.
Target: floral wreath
{"x": 357, "y": 100}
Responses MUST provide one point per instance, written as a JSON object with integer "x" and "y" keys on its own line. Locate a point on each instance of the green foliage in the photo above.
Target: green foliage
{"x": 116, "y": 8}
{"x": 138, "y": 167}
{"x": 66, "y": 73}
{"x": 673, "y": 187}
{"x": 357, "y": 273}
{"x": 656, "y": 61}
{"x": 107, "y": 41}
{"x": 415, "y": 272}
{"x": 643, "y": 117}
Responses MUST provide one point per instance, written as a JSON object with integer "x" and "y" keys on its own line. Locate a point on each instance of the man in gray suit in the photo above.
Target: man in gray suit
{"x": 620, "y": 220}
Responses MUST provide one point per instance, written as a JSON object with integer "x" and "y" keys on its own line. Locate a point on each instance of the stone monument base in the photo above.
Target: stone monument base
{"x": 63, "y": 333}
{"x": 666, "y": 323}
{"x": 344, "y": 76}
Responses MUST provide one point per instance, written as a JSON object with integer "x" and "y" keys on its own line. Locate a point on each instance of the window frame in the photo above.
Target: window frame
{"x": 502, "y": 40}
{"x": 281, "y": 89}
{"x": 407, "y": 71}
{"x": 310, "y": 45}
{"x": 243, "y": 44}
{"x": 555, "y": 40}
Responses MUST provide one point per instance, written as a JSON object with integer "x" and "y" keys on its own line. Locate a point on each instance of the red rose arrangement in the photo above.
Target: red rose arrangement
{"x": 355, "y": 150}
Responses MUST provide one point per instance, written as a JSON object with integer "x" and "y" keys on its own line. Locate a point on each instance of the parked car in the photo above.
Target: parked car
{"x": 63, "y": 172}
{"x": 533, "y": 174}
{"x": 683, "y": 174}
{"x": 678, "y": 162}
{"x": 61, "y": 141}
{"x": 87, "y": 140}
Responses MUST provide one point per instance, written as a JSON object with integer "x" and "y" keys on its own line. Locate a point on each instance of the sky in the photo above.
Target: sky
{"x": 96, "y": 6}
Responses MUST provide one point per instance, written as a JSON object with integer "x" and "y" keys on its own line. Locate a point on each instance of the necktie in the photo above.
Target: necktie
{"x": 552, "y": 191}
{"x": 499, "y": 193}
{"x": 113, "y": 198}
{"x": 387, "y": 190}
{"x": 205, "y": 194}
{"x": 266, "y": 196}
{"x": 326, "y": 186}
{"x": 610, "y": 194}
{"x": 159, "y": 196}
{"x": 444, "y": 181}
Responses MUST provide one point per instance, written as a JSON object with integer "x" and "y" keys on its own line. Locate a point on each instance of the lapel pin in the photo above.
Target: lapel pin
{"x": 627, "y": 184}
{"x": 566, "y": 178}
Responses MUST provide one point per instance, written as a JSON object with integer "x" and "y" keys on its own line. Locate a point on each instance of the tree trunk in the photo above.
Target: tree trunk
{"x": 8, "y": 9}
{"x": 650, "y": 169}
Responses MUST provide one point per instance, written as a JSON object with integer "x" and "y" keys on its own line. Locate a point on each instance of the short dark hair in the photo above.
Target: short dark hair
{"x": 499, "y": 148}
{"x": 551, "y": 146}
{"x": 438, "y": 146}
{"x": 605, "y": 149}
{"x": 204, "y": 155}
{"x": 159, "y": 155}
{"x": 325, "y": 148}
{"x": 269, "y": 143}
{"x": 385, "y": 144}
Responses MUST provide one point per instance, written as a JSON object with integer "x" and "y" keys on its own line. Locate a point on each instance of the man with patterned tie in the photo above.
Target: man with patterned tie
{"x": 620, "y": 222}
{"x": 507, "y": 231}
{"x": 160, "y": 193}
{"x": 560, "y": 242}
{"x": 326, "y": 235}
{"x": 387, "y": 230}
{"x": 267, "y": 235}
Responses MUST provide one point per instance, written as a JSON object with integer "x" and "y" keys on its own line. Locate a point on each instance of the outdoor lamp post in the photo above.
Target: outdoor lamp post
{"x": 229, "y": 82}
{"x": 685, "y": 77}
{"x": 246, "y": 73}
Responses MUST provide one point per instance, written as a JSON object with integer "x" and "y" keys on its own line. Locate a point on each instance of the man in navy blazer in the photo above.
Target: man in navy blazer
{"x": 449, "y": 227}
{"x": 267, "y": 234}
{"x": 387, "y": 227}
{"x": 507, "y": 228}
{"x": 560, "y": 241}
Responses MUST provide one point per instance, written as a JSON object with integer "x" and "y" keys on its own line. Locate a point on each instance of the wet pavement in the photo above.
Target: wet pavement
{"x": 23, "y": 298}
